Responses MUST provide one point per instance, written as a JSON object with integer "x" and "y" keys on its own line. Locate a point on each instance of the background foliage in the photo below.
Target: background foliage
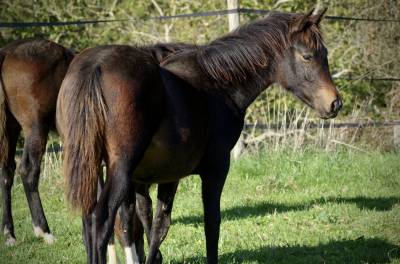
{"x": 358, "y": 49}
{"x": 300, "y": 206}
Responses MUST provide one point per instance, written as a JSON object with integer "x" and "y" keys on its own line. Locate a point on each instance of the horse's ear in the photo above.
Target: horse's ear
{"x": 313, "y": 17}
{"x": 317, "y": 15}
{"x": 302, "y": 22}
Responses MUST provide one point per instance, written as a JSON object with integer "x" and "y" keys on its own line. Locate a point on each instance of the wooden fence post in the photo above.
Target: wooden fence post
{"x": 396, "y": 136}
{"x": 233, "y": 18}
{"x": 234, "y": 21}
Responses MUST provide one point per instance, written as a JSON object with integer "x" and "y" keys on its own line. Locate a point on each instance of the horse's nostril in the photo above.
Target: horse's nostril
{"x": 336, "y": 105}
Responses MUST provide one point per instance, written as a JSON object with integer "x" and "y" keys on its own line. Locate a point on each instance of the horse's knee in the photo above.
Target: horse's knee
{"x": 30, "y": 176}
{"x": 7, "y": 175}
{"x": 8, "y": 182}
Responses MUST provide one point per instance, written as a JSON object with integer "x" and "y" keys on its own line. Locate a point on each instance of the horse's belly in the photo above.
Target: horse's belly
{"x": 171, "y": 155}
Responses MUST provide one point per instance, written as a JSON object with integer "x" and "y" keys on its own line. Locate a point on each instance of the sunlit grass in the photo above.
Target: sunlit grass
{"x": 309, "y": 207}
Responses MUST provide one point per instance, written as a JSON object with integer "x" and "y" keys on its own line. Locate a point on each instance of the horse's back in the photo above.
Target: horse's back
{"x": 32, "y": 73}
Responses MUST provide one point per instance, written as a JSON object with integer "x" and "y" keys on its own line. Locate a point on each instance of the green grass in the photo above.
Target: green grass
{"x": 311, "y": 207}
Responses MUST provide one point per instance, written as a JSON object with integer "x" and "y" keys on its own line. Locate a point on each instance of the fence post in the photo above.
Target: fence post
{"x": 234, "y": 21}
{"x": 396, "y": 136}
{"x": 233, "y": 18}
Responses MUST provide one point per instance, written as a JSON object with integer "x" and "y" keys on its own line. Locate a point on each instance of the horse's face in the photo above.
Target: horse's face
{"x": 304, "y": 69}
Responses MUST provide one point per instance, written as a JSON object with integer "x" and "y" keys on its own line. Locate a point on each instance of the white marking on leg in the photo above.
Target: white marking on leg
{"x": 6, "y": 231}
{"x": 112, "y": 255}
{"x": 47, "y": 237}
{"x": 38, "y": 231}
{"x": 10, "y": 241}
{"x": 131, "y": 255}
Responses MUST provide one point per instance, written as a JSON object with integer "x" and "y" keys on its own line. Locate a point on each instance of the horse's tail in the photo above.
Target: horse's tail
{"x": 3, "y": 117}
{"x": 81, "y": 111}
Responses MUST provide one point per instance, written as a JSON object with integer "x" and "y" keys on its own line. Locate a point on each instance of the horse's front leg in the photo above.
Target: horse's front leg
{"x": 213, "y": 180}
{"x": 162, "y": 219}
{"x": 144, "y": 212}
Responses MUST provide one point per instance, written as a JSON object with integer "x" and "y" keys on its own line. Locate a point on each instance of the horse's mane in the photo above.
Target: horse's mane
{"x": 161, "y": 51}
{"x": 240, "y": 55}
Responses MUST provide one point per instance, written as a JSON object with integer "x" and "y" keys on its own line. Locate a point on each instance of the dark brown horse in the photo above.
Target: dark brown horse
{"x": 131, "y": 223}
{"x": 32, "y": 71}
{"x": 31, "y": 75}
{"x": 155, "y": 124}
{"x": 135, "y": 219}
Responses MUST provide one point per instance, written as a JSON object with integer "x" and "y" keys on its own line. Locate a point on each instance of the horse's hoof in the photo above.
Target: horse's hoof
{"x": 11, "y": 241}
{"x": 47, "y": 237}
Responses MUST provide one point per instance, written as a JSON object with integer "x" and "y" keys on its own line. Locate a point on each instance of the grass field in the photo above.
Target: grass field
{"x": 310, "y": 207}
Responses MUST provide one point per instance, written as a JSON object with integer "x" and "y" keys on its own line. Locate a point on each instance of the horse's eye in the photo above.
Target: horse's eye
{"x": 307, "y": 57}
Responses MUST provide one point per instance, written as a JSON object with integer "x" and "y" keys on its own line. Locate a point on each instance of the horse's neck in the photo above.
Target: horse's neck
{"x": 244, "y": 96}
{"x": 245, "y": 93}
{"x": 240, "y": 96}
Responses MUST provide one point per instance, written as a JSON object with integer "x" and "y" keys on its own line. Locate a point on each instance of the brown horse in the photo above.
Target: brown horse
{"x": 31, "y": 75}
{"x": 32, "y": 72}
{"x": 155, "y": 124}
{"x": 135, "y": 219}
{"x": 130, "y": 223}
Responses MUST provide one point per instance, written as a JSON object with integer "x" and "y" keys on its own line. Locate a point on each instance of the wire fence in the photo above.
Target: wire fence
{"x": 186, "y": 15}
{"x": 325, "y": 125}
{"x": 23, "y": 25}
{"x": 249, "y": 126}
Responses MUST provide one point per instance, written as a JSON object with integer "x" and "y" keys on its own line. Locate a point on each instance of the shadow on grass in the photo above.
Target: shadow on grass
{"x": 260, "y": 209}
{"x": 347, "y": 251}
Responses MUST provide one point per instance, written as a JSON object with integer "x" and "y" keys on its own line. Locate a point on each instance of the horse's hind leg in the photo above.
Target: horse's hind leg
{"x": 103, "y": 216}
{"x": 112, "y": 253}
{"x": 7, "y": 179}
{"x": 138, "y": 232}
{"x": 34, "y": 148}
{"x": 162, "y": 220}
{"x": 131, "y": 231}
{"x": 144, "y": 211}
